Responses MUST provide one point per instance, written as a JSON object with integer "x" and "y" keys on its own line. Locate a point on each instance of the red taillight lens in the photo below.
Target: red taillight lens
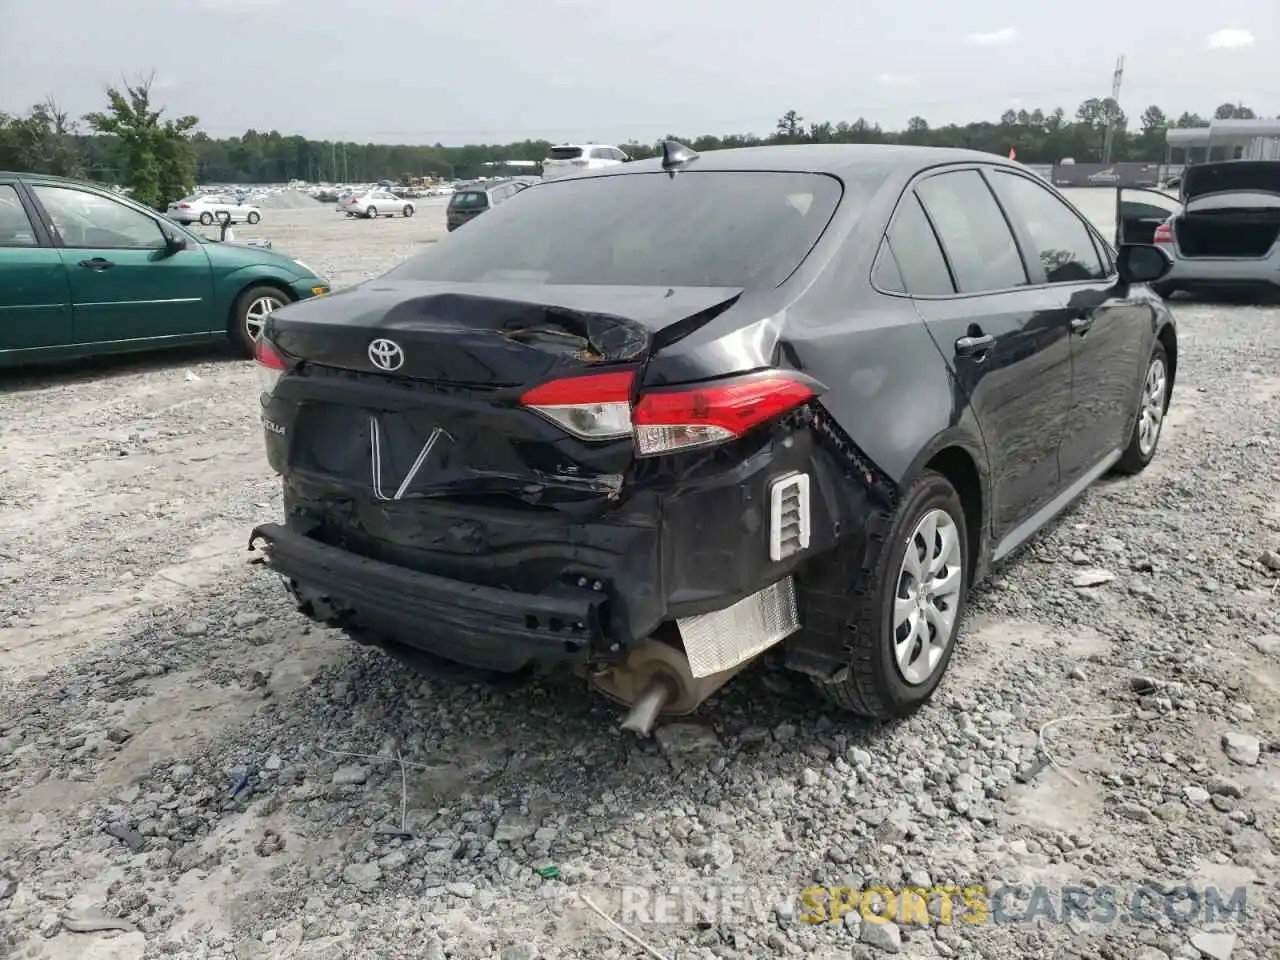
{"x": 269, "y": 365}
{"x": 594, "y": 407}
{"x": 184, "y": 206}
{"x": 1164, "y": 233}
{"x": 598, "y": 407}
{"x": 674, "y": 420}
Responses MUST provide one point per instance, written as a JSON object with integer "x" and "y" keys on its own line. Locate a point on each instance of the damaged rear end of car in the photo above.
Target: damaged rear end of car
{"x": 492, "y": 464}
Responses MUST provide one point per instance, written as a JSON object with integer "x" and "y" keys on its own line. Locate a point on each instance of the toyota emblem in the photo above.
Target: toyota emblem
{"x": 386, "y": 354}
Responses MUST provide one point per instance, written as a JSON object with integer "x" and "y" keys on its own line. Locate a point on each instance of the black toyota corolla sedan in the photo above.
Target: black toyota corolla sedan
{"x": 652, "y": 422}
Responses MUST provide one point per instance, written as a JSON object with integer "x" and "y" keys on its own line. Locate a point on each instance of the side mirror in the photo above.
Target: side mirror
{"x": 174, "y": 243}
{"x": 1142, "y": 263}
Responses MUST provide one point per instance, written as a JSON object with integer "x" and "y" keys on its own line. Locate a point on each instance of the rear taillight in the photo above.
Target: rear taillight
{"x": 1164, "y": 233}
{"x": 594, "y": 407}
{"x": 700, "y": 416}
{"x": 269, "y": 365}
{"x": 599, "y": 407}
{"x": 184, "y": 206}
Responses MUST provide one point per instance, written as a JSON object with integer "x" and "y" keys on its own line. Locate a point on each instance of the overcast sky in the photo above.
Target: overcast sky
{"x": 464, "y": 71}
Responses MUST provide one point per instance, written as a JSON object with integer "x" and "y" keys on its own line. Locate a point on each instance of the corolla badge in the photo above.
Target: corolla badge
{"x": 386, "y": 354}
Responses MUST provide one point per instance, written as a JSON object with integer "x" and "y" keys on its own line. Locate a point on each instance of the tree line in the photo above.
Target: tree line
{"x": 132, "y": 144}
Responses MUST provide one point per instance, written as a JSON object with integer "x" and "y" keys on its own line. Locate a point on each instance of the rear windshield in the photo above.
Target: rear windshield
{"x": 564, "y": 153}
{"x": 717, "y": 228}
{"x": 469, "y": 200}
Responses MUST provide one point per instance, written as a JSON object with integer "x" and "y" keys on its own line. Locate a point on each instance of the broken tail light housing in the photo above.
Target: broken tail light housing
{"x": 599, "y": 407}
{"x": 270, "y": 367}
{"x": 1164, "y": 233}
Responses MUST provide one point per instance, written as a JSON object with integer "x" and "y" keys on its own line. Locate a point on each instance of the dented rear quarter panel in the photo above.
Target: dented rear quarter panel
{"x": 887, "y": 384}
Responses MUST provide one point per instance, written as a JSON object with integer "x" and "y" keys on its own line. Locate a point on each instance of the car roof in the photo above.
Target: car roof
{"x": 70, "y": 181}
{"x": 837, "y": 159}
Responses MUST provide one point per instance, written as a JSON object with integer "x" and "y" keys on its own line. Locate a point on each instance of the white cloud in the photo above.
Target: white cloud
{"x": 896, "y": 79}
{"x": 1230, "y": 39}
{"x": 1003, "y": 35}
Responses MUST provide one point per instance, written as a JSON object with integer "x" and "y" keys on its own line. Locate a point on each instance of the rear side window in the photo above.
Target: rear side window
{"x": 1063, "y": 243}
{"x": 565, "y": 153}
{"x": 714, "y": 228}
{"x": 469, "y": 200}
{"x": 915, "y": 247}
{"x": 15, "y": 226}
{"x": 974, "y": 234}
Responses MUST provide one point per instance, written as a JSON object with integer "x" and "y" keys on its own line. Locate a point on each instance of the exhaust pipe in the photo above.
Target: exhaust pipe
{"x": 642, "y": 715}
{"x": 654, "y": 680}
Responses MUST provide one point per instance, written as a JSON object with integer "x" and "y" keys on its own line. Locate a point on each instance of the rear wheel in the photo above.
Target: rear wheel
{"x": 253, "y": 216}
{"x": 1151, "y": 410}
{"x": 250, "y": 313}
{"x": 408, "y": 210}
{"x": 372, "y": 213}
{"x": 206, "y": 218}
{"x": 905, "y": 610}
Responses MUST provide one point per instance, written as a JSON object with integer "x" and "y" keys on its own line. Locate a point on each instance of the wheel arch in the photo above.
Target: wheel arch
{"x": 258, "y": 281}
{"x": 1167, "y": 337}
{"x": 960, "y": 456}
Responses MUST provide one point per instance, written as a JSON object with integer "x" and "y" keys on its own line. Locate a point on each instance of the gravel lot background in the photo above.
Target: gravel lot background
{"x": 167, "y": 722}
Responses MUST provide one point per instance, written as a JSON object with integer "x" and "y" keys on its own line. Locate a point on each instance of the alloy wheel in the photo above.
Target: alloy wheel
{"x": 928, "y": 597}
{"x": 255, "y": 317}
{"x": 1151, "y": 416}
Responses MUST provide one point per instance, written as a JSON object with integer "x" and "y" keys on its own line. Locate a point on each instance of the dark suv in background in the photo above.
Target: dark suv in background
{"x": 469, "y": 202}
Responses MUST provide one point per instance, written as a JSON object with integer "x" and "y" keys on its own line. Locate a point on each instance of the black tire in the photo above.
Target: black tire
{"x": 372, "y": 213}
{"x": 872, "y": 684}
{"x": 185, "y": 223}
{"x": 408, "y": 210}
{"x": 241, "y": 337}
{"x": 206, "y": 218}
{"x": 253, "y": 216}
{"x": 1163, "y": 289}
{"x": 1137, "y": 454}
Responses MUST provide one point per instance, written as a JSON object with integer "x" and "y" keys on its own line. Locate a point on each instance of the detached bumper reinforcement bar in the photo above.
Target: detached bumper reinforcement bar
{"x": 484, "y": 626}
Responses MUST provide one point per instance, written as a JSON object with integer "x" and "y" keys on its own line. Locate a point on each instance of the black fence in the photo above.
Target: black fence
{"x": 1126, "y": 174}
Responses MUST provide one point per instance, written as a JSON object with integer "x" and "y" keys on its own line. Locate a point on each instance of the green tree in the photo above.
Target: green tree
{"x": 158, "y": 158}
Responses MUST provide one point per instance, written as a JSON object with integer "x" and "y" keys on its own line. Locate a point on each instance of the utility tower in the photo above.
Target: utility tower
{"x": 1116, "y": 79}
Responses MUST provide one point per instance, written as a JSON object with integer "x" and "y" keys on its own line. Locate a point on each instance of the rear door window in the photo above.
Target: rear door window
{"x": 565, "y": 153}
{"x": 15, "y": 225}
{"x": 469, "y": 200}
{"x": 915, "y": 248}
{"x": 974, "y": 233}
{"x": 718, "y": 228}
{"x": 1063, "y": 243}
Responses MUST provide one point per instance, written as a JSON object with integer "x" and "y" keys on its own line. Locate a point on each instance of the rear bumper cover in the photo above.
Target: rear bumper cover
{"x": 477, "y": 625}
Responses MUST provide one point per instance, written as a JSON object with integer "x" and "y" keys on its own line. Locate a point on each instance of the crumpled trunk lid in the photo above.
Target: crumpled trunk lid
{"x": 440, "y": 415}
{"x": 491, "y": 334}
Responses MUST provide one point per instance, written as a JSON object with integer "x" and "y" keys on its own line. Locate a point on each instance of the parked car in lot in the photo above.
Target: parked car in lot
{"x": 206, "y": 209}
{"x": 577, "y": 157}
{"x": 84, "y": 270}
{"x": 795, "y": 399}
{"x": 1222, "y": 230}
{"x": 470, "y": 201}
{"x": 371, "y": 204}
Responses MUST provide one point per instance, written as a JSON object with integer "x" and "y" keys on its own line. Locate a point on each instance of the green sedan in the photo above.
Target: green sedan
{"x": 85, "y": 271}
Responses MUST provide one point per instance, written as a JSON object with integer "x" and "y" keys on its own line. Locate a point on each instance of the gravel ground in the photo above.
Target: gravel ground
{"x": 171, "y": 781}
